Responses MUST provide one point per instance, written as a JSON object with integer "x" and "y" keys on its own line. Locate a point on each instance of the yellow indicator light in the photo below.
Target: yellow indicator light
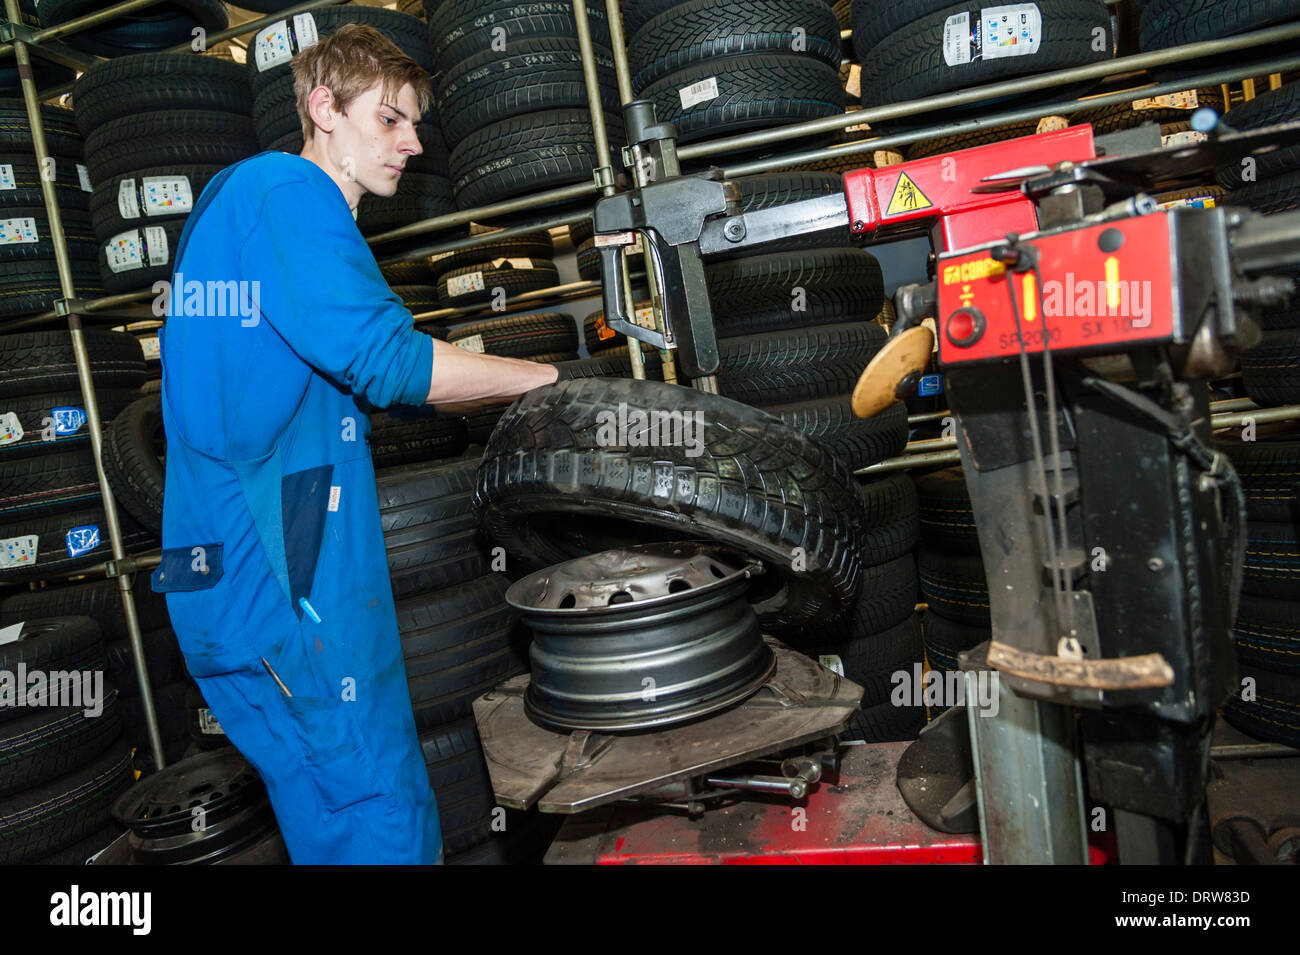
{"x": 1031, "y": 297}
{"x": 1112, "y": 283}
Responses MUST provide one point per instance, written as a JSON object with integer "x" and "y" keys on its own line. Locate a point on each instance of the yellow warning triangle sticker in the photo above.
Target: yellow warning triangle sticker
{"x": 908, "y": 197}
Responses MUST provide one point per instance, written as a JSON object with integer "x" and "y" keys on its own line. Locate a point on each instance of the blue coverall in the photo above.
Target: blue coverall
{"x": 273, "y": 554}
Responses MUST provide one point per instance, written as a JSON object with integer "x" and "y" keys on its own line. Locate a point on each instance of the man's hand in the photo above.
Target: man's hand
{"x": 465, "y": 381}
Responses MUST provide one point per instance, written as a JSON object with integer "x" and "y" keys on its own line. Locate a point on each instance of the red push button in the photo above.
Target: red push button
{"x": 964, "y": 327}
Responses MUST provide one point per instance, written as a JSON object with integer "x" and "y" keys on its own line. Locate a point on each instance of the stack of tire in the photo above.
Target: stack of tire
{"x": 29, "y": 278}
{"x": 423, "y": 192}
{"x": 1270, "y": 184}
{"x": 158, "y": 127}
{"x": 1267, "y": 630}
{"x": 101, "y": 601}
{"x": 63, "y": 760}
{"x": 459, "y": 639}
{"x": 44, "y": 72}
{"x": 51, "y": 515}
{"x": 953, "y": 584}
{"x": 1167, "y": 23}
{"x": 911, "y": 49}
{"x": 715, "y": 70}
{"x": 159, "y": 27}
{"x": 510, "y": 89}
{"x": 795, "y": 326}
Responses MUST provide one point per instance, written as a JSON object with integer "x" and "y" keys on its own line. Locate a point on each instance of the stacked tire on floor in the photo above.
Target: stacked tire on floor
{"x": 517, "y": 114}
{"x": 953, "y": 584}
{"x": 62, "y": 756}
{"x": 158, "y": 127}
{"x": 459, "y": 639}
{"x": 1267, "y": 632}
{"x": 1270, "y": 184}
{"x": 29, "y": 279}
{"x": 423, "y": 191}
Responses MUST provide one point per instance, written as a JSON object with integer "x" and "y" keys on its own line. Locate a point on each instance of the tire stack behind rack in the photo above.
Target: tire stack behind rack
{"x": 951, "y": 571}
{"x": 459, "y": 639}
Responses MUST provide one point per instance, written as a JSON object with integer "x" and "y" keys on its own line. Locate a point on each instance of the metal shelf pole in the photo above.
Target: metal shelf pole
{"x": 93, "y": 423}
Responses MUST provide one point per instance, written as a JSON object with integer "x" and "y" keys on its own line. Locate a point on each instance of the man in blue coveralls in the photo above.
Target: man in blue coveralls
{"x": 273, "y": 555}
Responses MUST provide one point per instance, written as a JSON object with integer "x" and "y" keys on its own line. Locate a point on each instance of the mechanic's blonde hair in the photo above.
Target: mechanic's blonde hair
{"x": 351, "y": 61}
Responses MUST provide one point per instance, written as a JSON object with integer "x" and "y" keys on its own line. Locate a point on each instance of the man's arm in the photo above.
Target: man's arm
{"x": 467, "y": 381}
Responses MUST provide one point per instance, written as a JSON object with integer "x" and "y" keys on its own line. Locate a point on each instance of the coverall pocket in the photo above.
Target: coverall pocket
{"x": 337, "y": 758}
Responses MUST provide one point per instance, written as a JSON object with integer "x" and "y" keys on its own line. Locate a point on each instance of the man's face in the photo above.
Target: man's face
{"x": 372, "y": 143}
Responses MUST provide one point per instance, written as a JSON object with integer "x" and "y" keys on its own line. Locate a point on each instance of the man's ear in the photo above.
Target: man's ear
{"x": 322, "y": 108}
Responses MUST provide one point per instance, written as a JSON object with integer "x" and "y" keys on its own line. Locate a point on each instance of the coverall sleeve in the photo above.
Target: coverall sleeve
{"x": 322, "y": 291}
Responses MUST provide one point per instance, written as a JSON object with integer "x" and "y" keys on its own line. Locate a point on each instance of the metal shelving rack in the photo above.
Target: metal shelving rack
{"x": 18, "y": 39}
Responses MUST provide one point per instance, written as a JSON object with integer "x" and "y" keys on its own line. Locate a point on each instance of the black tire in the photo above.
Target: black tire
{"x": 106, "y": 213}
{"x": 1270, "y": 372}
{"x": 969, "y": 140}
{"x": 1108, "y": 119}
{"x": 1272, "y": 560}
{"x": 1274, "y": 714}
{"x": 204, "y": 730}
{"x": 888, "y": 599}
{"x": 41, "y": 362}
{"x": 35, "y": 416}
{"x": 50, "y": 484}
{"x": 1167, "y": 23}
{"x": 533, "y": 245}
{"x": 133, "y": 464}
{"x": 157, "y": 28}
{"x": 421, "y": 298}
{"x": 886, "y": 723}
{"x": 97, "y": 599}
{"x": 52, "y": 556}
{"x": 759, "y": 293}
{"x": 521, "y": 336}
{"x": 408, "y": 435}
{"x": 1270, "y": 473}
{"x": 892, "y": 522}
{"x": 168, "y": 138}
{"x": 532, "y": 75}
{"x": 947, "y": 521}
{"x": 46, "y": 742}
{"x": 1276, "y": 106}
{"x": 62, "y": 137}
{"x": 945, "y": 638}
{"x": 173, "y": 722}
{"x": 524, "y": 154}
{"x": 954, "y": 586}
{"x": 79, "y": 852}
{"x": 418, "y": 197}
{"x": 409, "y": 34}
{"x": 37, "y": 241}
{"x": 59, "y": 813}
{"x": 752, "y": 92}
{"x": 701, "y": 30}
{"x": 458, "y": 643}
{"x": 798, "y": 365}
{"x": 145, "y": 82}
{"x": 545, "y": 510}
{"x": 871, "y": 659}
{"x": 30, "y": 287}
{"x": 26, "y": 178}
{"x": 139, "y": 256}
{"x": 51, "y": 643}
{"x": 1279, "y": 194}
{"x": 460, "y": 29}
{"x": 430, "y": 531}
{"x": 162, "y": 657}
{"x": 1267, "y": 634}
{"x": 476, "y": 284}
{"x": 858, "y": 442}
{"x": 460, "y": 782}
{"x": 909, "y": 62}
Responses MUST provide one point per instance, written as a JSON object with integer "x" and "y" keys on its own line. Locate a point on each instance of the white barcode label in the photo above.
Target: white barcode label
{"x": 11, "y": 634}
{"x": 14, "y": 231}
{"x": 7, "y": 176}
{"x": 1013, "y": 30}
{"x": 513, "y": 263}
{"x": 124, "y": 251}
{"x": 166, "y": 195}
{"x": 155, "y": 238}
{"x": 150, "y": 348}
{"x": 274, "y": 45}
{"x": 11, "y": 429}
{"x": 957, "y": 39}
{"x": 471, "y": 343}
{"x": 1184, "y": 100}
{"x": 83, "y": 177}
{"x": 1187, "y": 138}
{"x": 464, "y": 284}
{"x": 831, "y": 662}
{"x": 644, "y": 316}
{"x": 18, "y": 551}
{"x": 127, "y": 204}
{"x": 440, "y": 255}
{"x": 700, "y": 92}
